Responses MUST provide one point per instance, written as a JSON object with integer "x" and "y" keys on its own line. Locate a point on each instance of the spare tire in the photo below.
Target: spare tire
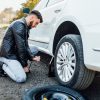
{"x": 52, "y": 93}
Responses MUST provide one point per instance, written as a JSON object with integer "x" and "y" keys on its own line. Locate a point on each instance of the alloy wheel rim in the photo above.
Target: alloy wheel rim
{"x": 66, "y": 62}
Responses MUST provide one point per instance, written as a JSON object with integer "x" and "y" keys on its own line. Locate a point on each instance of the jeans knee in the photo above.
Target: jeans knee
{"x": 21, "y": 79}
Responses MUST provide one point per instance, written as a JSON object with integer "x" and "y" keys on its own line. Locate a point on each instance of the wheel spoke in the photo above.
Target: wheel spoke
{"x": 61, "y": 52}
{"x": 71, "y": 64}
{"x": 70, "y": 69}
{"x": 64, "y": 50}
{"x": 71, "y": 52}
{"x": 60, "y": 73}
{"x": 63, "y": 74}
{"x": 60, "y": 67}
{"x": 72, "y": 58}
{"x": 68, "y": 51}
{"x": 59, "y": 62}
{"x": 60, "y": 57}
{"x": 66, "y": 73}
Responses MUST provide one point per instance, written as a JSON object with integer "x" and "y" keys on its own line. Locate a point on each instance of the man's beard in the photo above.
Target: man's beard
{"x": 30, "y": 25}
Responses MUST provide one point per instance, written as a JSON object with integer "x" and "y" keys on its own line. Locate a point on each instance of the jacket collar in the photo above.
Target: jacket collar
{"x": 23, "y": 20}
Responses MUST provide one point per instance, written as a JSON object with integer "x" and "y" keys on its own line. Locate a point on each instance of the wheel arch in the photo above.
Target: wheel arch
{"x": 64, "y": 28}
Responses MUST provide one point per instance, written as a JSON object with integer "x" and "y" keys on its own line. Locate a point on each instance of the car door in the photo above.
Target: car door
{"x": 42, "y": 33}
{"x": 35, "y": 33}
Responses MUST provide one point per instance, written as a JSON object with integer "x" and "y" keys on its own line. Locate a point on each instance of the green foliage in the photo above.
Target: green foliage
{"x": 28, "y": 4}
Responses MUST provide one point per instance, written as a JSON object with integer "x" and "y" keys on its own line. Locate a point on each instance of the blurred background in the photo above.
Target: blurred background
{"x": 11, "y": 10}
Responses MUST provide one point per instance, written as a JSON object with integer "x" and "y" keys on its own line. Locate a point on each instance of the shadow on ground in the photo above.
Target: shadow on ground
{"x": 93, "y": 92}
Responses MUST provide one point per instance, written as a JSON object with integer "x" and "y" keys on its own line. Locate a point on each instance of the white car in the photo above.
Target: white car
{"x": 70, "y": 32}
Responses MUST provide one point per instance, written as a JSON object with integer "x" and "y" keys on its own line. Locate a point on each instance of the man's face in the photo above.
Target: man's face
{"x": 34, "y": 21}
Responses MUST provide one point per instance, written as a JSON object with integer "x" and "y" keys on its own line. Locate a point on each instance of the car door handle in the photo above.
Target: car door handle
{"x": 57, "y": 11}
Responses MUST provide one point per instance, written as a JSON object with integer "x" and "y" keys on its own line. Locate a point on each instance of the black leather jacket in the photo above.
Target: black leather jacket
{"x": 15, "y": 42}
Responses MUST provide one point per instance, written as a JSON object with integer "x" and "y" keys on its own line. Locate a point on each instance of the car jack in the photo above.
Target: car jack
{"x": 51, "y": 72}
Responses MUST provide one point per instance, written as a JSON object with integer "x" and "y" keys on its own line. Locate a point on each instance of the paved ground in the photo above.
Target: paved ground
{"x": 10, "y": 90}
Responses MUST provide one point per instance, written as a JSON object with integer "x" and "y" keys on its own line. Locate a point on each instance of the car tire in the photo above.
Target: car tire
{"x": 32, "y": 93}
{"x": 73, "y": 71}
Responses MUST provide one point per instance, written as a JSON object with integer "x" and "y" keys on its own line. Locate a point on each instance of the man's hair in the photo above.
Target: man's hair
{"x": 38, "y": 14}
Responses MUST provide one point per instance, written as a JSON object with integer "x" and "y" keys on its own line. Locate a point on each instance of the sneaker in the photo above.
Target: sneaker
{"x": 2, "y": 73}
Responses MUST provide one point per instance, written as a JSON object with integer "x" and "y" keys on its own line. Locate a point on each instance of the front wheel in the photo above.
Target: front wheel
{"x": 69, "y": 64}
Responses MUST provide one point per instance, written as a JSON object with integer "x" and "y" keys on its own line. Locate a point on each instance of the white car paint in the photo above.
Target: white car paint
{"x": 83, "y": 13}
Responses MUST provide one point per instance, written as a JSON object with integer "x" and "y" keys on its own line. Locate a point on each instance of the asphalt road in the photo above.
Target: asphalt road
{"x": 9, "y": 90}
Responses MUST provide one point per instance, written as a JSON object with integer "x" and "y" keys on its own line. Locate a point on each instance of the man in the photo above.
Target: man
{"x": 15, "y": 51}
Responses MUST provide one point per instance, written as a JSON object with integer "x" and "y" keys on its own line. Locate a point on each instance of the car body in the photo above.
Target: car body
{"x": 74, "y": 19}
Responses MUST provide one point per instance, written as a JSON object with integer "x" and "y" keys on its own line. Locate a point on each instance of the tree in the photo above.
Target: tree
{"x": 28, "y": 4}
{"x": 6, "y": 15}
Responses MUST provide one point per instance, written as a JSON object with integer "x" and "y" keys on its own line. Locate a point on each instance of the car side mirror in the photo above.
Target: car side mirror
{"x": 26, "y": 10}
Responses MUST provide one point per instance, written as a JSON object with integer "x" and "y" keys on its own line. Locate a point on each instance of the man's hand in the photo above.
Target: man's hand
{"x": 26, "y": 69}
{"x": 36, "y": 58}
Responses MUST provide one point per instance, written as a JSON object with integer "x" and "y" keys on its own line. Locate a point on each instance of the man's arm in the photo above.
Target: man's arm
{"x": 18, "y": 31}
{"x": 29, "y": 53}
{"x": 32, "y": 56}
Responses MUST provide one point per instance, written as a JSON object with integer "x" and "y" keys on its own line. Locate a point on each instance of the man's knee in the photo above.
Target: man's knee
{"x": 21, "y": 79}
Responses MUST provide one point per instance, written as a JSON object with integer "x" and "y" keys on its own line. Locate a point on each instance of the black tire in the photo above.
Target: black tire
{"x": 82, "y": 77}
{"x": 30, "y": 94}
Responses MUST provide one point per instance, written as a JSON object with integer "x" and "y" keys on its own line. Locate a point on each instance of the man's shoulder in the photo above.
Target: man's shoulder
{"x": 18, "y": 22}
